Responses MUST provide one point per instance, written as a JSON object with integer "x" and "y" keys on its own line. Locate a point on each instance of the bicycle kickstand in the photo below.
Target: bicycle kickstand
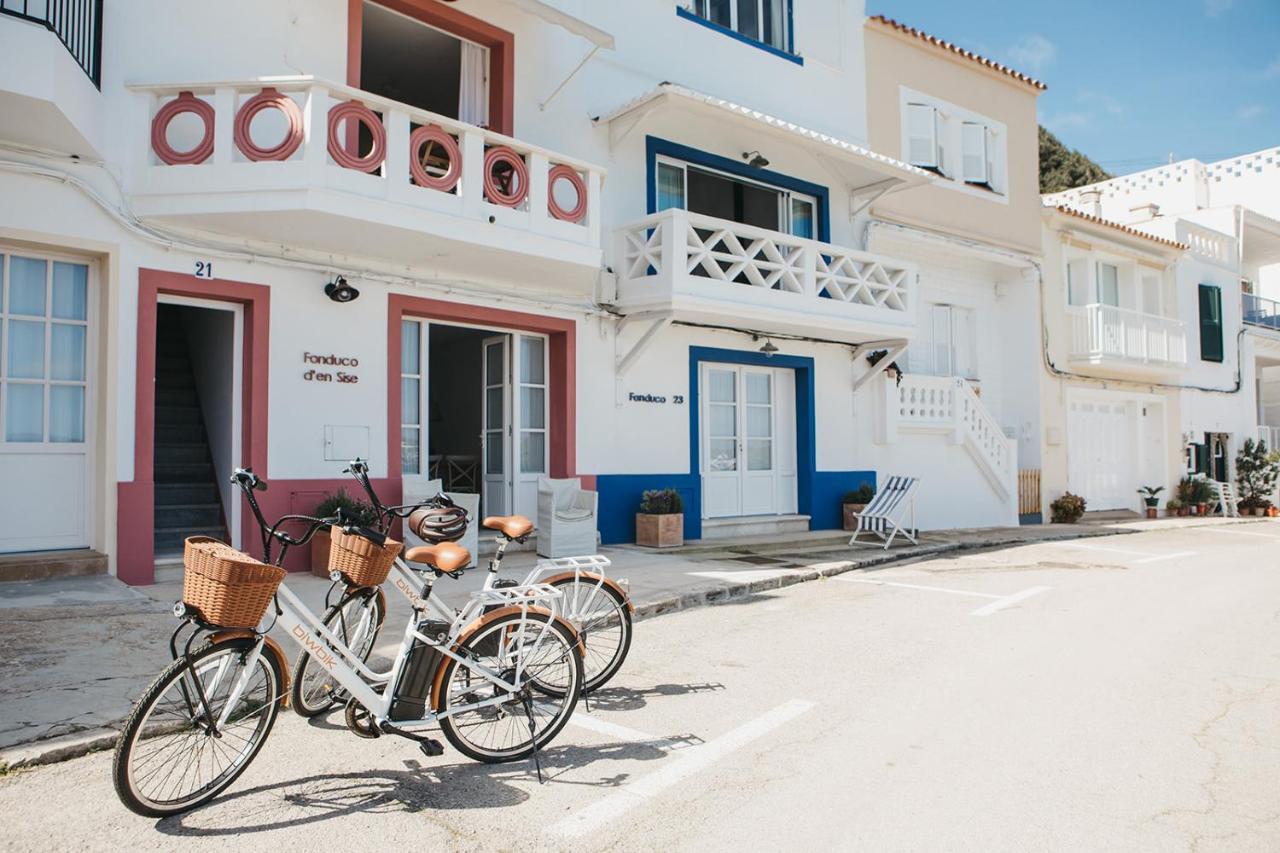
{"x": 528, "y": 712}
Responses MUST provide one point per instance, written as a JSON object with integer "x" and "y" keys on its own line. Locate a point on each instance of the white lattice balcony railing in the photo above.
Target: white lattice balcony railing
{"x": 698, "y": 264}
{"x": 1105, "y": 333}
{"x": 948, "y": 405}
{"x": 276, "y": 156}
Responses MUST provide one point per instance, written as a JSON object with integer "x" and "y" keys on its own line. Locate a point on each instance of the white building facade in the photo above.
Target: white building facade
{"x": 566, "y": 266}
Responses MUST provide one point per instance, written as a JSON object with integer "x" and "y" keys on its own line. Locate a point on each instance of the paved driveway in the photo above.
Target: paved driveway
{"x": 1107, "y": 694}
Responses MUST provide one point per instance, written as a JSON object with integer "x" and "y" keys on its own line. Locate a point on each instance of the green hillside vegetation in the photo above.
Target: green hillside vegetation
{"x": 1063, "y": 168}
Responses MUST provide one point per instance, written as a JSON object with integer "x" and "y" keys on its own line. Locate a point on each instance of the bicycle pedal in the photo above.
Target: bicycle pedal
{"x": 431, "y": 748}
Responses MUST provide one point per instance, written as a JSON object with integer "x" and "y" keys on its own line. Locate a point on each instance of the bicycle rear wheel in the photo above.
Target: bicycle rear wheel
{"x": 545, "y": 652}
{"x": 603, "y": 621}
{"x": 355, "y": 620}
{"x": 168, "y": 759}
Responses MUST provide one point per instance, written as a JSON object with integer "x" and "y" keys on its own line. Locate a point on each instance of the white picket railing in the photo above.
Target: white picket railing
{"x": 310, "y": 162}
{"x": 947, "y": 404}
{"x": 675, "y": 246}
{"x": 1100, "y": 332}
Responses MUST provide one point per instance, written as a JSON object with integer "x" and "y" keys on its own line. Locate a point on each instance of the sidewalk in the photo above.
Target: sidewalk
{"x": 79, "y": 650}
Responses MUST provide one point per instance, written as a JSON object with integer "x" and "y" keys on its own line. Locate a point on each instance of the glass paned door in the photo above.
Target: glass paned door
{"x": 748, "y": 424}
{"x": 530, "y": 420}
{"x": 495, "y": 419}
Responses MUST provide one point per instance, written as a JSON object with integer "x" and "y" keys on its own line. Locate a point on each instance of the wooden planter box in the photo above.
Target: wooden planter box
{"x": 660, "y": 531}
{"x": 320, "y": 554}
{"x": 851, "y": 515}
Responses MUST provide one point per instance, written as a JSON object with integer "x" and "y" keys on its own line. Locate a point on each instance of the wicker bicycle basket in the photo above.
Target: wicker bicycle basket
{"x": 361, "y": 562}
{"x": 227, "y": 587}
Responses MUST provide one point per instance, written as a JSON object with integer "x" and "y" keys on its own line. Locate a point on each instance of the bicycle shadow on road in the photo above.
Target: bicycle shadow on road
{"x": 332, "y": 796}
{"x": 632, "y": 698}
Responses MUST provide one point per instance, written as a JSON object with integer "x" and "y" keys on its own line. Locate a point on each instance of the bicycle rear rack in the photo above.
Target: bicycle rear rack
{"x": 525, "y": 593}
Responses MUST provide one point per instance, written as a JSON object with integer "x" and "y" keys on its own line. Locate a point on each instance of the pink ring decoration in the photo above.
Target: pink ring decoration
{"x": 337, "y": 147}
{"x": 504, "y": 154}
{"x": 184, "y": 103}
{"x": 578, "y": 211}
{"x": 267, "y": 99}
{"x": 434, "y": 133}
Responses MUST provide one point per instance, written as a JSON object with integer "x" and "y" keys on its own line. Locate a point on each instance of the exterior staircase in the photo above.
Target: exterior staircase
{"x": 186, "y": 486}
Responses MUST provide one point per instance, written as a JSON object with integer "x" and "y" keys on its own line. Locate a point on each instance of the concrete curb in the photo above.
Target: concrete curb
{"x": 53, "y": 750}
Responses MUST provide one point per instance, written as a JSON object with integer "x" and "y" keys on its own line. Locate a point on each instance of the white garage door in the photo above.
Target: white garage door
{"x": 1099, "y": 453}
{"x": 46, "y": 431}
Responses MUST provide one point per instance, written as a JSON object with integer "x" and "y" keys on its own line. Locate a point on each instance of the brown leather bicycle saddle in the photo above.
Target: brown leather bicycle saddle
{"x": 511, "y": 526}
{"x": 447, "y": 556}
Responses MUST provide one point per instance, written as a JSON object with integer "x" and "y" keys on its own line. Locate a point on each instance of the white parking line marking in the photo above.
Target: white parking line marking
{"x": 613, "y": 730}
{"x": 917, "y": 586}
{"x": 1236, "y": 532}
{"x": 1175, "y": 555}
{"x": 1008, "y": 601}
{"x": 584, "y": 821}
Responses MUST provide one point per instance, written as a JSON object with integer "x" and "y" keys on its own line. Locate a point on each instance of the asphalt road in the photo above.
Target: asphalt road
{"x": 1109, "y": 694}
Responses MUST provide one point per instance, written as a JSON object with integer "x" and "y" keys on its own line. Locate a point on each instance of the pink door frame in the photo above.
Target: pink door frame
{"x": 135, "y": 509}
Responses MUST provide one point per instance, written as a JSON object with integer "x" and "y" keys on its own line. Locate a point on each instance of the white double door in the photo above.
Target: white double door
{"x": 748, "y": 440}
{"x": 514, "y": 434}
{"x": 1114, "y": 445}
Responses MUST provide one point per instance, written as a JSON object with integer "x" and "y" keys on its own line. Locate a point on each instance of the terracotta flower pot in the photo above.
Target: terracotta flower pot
{"x": 1152, "y": 512}
{"x": 660, "y": 531}
{"x": 1184, "y": 510}
{"x": 320, "y": 554}
{"x": 1203, "y": 509}
{"x": 851, "y": 515}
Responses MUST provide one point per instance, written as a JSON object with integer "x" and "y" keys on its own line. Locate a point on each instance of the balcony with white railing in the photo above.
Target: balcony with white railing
{"x": 702, "y": 269}
{"x": 1108, "y": 336}
{"x": 303, "y": 162}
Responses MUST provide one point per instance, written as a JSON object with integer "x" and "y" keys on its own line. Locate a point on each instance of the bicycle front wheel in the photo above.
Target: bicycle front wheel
{"x": 603, "y": 619}
{"x": 355, "y": 620}
{"x": 168, "y": 758}
{"x": 532, "y": 652}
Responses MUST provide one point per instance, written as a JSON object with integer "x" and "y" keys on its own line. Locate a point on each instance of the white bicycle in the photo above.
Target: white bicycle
{"x": 501, "y": 679}
{"x": 598, "y": 607}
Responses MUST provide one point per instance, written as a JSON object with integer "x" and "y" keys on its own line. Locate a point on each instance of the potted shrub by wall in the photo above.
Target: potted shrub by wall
{"x": 1256, "y": 474}
{"x": 855, "y": 502}
{"x": 1151, "y": 499}
{"x": 1067, "y": 509}
{"x": 1173, "y": 507}
{"x": 1204, "y": 495}
{"x": 1187, "y": 495}
{"x": 660, "y": 521}
{"x": 360, "y": 512}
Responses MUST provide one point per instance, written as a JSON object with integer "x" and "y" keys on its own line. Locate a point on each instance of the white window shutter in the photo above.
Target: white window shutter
{"x": 1078, "y": 283}
{"x": 1151, "y": 294}
{"x": 973, "y": 156}
{"x": 922, "y": 143}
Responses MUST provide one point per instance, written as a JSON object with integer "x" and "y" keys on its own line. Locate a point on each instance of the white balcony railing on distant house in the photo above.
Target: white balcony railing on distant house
{"x": 675, "y": 254}
{"x": 948, "y": 405}
{"x": 441, "y": 177}
{"x": 1260, "y": 311}
{"x": 1102, "y": 333}
{"x": 1207, "y": 243}
{"x": 1269, "y": 434}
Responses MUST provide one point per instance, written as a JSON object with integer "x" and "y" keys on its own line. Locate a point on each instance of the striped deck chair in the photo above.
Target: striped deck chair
{"x": 1226, "y": 496}
{"x": 885, "y": 514}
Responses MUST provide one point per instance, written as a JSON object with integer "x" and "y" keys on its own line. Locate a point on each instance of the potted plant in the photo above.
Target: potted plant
{"x": 1256, "y": 474}
{"x": 1187, "y": 495}
{"x": 1203, "y": 495}
{"x": 1067, "y": 509}
{"x": 660, "y": 521}
{"x": 360, "y": 512}
{"x": 1151, "y": 499}
{"x": 1173, "y": 507}
{"x": 855, "y": 502}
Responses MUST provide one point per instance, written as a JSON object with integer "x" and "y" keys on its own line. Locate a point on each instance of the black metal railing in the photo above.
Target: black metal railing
{"x": 1260, "y": 311}
{"x": 76, "y": 23}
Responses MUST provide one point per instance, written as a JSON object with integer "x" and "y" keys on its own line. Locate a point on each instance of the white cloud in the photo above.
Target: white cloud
{"x": 1066, "y": 120}
{"x": 1250, "y": 111}
{"x": 1032, "y": 53}
{"x": 1214, "y": 8}
{"x": 1106, "y": 103}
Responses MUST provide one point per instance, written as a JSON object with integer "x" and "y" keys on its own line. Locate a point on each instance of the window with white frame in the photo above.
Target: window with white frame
{"x": 764, "y": 21}
{"x": 1114, "y": 282}
{"x": 968, "y": 149}
{"x": 700, "y": 189}
{"x": 946, "y": 344}
{"x": 533, "y": 404}
{"x": 44, "y": 331}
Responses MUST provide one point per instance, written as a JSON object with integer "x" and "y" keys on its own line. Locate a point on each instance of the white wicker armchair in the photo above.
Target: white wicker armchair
{"x": 566, "y": 518}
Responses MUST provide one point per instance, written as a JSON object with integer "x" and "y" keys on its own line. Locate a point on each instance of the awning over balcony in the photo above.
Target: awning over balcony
{"x": 861, "y": 167}
{"x": 553, "y": 15}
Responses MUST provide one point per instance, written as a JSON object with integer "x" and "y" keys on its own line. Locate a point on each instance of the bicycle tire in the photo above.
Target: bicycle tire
{"x": 302, "y": 696}
{"x": 567, "y": 697}
{"x": 126, "y": 779}
{"x": 600, "y": 665}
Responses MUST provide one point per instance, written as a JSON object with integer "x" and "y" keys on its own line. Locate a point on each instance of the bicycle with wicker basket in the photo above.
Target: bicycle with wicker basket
{"x": 598, "y": 607}
{"x": 500, "y": 680}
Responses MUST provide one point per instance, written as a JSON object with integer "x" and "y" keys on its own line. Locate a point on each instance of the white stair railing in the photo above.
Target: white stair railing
{"x": 948, "y": 405}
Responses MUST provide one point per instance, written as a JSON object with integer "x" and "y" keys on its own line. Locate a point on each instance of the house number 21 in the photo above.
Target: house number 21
{"x": 204, "y": 269}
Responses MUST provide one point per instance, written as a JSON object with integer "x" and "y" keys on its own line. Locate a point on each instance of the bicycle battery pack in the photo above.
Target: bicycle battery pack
{"x": 413, "y": 689}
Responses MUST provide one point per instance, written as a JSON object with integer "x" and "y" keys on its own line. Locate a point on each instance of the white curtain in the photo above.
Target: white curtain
{"x": 473, "y": 90}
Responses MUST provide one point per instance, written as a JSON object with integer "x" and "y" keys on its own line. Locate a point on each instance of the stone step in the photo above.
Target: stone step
{"x": 170, "y": 415}
{"x": 753, "y": 525}
{"x": 39, "y": 565}
{"x": 185, "y": 472}
{"x": 180, "y": 433}
{"x": 170, "y": 396}
{"x": 170, "y": 494}
{"x": 167, "y": 454}
{"x": 169, "y": 540}
{"x": 188, "y": 515}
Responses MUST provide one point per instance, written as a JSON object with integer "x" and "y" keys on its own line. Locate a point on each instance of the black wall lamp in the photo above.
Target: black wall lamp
{"x": 755, "y": 159}
{"x": 339, "y": 291}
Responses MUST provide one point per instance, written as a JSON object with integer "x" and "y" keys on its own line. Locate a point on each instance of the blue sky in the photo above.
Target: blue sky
{"x": 1130, "y": 80}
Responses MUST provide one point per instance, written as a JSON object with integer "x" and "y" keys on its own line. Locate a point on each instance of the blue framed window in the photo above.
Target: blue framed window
{"x": 766, "y": 24}
{"x": 701, "y": 182}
